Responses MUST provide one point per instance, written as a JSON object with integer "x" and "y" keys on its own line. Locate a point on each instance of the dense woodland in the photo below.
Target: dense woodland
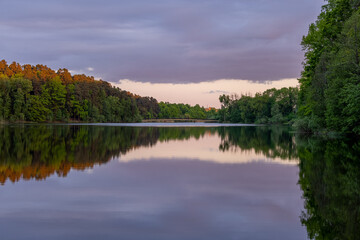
{"x": 272, "y": 106}
{"x": 185, "y": 111}
{"x": 39, "y": 94}
{"x": 329, "y": 96}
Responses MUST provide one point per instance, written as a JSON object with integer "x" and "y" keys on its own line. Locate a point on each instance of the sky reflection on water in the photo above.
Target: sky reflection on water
{"x": 159, "y": 197}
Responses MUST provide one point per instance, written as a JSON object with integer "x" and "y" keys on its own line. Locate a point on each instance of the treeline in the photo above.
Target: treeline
{"x": 185, "y": 111}
{"x": 329, "y": 96}
{"x": 38, "y": 93}
{"x": 272, "y": 106}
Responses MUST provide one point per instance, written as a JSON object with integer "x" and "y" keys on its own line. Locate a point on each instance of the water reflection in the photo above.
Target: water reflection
{"x": 273, "y": 142}
{"x": 154, "y": 183}
{"x": 330, "y": 180}
{"x": 39, "y": 151}
{"x": 176, "y": 183}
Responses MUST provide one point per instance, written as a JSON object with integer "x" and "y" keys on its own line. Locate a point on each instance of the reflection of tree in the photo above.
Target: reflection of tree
{"x": 330, "y": 180}
{"x": 271, "y": 141}
{"x": 166, "y": 134}
{"x": 38, "y": 151}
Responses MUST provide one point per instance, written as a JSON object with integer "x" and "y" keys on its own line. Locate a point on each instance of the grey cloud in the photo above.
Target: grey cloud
{"x": 218, "y": 92}
{"x": 160, "y": 41}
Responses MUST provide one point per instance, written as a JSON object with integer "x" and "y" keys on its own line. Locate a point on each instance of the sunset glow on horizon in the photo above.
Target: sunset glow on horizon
{"x": 205, "y": 94}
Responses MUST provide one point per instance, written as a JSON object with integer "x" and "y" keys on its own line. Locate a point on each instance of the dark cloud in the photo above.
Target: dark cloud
{"x": 217, "y": 92}
{"x": 160, "y": 41}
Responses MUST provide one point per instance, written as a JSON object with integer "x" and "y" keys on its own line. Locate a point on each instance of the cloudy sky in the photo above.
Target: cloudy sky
{"x": 135, "y": 43}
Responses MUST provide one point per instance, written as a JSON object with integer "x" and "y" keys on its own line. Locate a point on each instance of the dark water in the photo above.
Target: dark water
{"x": 153, "y": 182}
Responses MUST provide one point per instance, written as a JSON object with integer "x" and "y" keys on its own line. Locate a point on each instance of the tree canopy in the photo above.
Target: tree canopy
{"x": 38, "y": 93}
{"x": 272, "y": 106}
{"x": 329, "y": 95}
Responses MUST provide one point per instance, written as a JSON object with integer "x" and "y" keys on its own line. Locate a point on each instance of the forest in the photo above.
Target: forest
{"x": 270, "y": 107}
{"x": 329, "y": 96}
{"x": 185, "y": 111}
{"x": 40, "y": 94}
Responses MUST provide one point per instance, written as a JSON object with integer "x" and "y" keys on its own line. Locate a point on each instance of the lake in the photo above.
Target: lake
{"x": 175, "y": 181}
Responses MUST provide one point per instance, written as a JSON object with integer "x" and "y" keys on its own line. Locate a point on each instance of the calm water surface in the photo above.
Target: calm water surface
{"x": 152, "y": 182}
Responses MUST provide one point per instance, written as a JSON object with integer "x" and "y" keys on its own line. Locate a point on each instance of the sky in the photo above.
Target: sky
{"x": 143, "y": 46}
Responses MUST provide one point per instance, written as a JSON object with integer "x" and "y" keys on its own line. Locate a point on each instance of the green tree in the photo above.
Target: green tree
{"x": 331, "y": 63}
{"x": 37, "y": 111}
{"x": 54, "y": 96}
